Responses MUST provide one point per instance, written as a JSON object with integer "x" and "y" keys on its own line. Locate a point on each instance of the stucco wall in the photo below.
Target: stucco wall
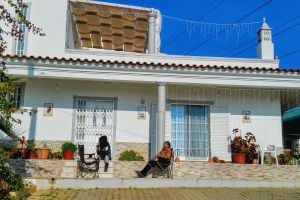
{"x": 59, "y": 126}
{"x": 263, "y": 104}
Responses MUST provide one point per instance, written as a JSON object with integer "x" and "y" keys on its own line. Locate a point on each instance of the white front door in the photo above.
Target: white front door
{"x": 93, "y": 118}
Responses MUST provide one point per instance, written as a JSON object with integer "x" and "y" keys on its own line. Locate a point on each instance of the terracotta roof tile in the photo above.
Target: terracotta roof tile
{"x": 242, "y": 68}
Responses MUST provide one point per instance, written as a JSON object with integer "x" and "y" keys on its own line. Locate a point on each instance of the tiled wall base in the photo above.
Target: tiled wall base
{"x": 198, "y": 170}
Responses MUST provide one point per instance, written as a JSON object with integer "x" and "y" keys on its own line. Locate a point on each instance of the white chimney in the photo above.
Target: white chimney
{"x": 265, "y": 47}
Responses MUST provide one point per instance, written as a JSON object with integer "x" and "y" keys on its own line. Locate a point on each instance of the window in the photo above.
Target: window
{"x": 21, "y": 42}
{"x": 17, "y": 97}
{"x": 190, "y": 132}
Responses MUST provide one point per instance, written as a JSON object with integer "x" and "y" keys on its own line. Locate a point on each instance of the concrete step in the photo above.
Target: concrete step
{"x": 109, "y": 173}
{"x": 109, "y": 170}
{"x": 111, "y": 164}
{"x": 43, "y": 184}
{"x": 105, "y": 174}
{"x": 69, "y": 170}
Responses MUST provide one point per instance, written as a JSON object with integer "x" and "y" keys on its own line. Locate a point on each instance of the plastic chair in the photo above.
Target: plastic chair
{"x": 269, "y": 149}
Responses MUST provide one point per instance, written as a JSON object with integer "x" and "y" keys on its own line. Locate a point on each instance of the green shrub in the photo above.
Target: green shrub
{"x": 130, "y": 155}
{"x": 9, "y": 181}
{"x": 4, "y": 155}
{"x": 68, "y": 146}
{"x": 56, "y": 155}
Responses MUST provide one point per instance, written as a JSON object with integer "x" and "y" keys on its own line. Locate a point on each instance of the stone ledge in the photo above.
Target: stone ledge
{"x": 42, "y": 184}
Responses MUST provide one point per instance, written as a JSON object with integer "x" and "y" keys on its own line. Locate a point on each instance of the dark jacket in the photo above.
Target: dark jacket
{"x": 102, "y": 152}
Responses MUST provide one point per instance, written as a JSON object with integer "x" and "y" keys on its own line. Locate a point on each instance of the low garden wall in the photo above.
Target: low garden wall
{"x": 224, "y": 171}
{"x": 37, "y": 168}
{"x": 194, "y": 170}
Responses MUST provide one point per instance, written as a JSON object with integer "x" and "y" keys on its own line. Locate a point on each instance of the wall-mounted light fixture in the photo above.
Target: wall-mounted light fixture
{"x": 141, "y": 109}
{"x": 57, "y": 85}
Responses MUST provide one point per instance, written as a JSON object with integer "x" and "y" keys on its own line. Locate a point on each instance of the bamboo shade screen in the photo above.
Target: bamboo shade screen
{"x": 110, "y": 27}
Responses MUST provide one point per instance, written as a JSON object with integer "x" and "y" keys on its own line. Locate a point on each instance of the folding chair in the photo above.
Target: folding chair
{"x": 83, "y": 167}
{"x": 164, "y": 170}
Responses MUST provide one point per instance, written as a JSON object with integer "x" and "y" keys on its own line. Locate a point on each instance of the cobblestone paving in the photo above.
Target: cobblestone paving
{"x": 170, "y": 194}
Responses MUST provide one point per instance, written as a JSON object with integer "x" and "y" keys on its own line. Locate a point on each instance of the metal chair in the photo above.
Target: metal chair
{"x": 164, "y": 170}
{"x": 269, "y": 149}
{"x": 86, "y": 167}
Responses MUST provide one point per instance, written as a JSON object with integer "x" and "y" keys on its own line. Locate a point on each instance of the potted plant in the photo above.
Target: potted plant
{"x": 31, "y": 145}
{"x": 251, "y": 151}
{"x": 13, "y": 148}
{"x": 238, "y": 148}
{"x": 285, "y": 159}
{"x": 56, "y": 155}
{"x": 68, "y": 149}
{"x": 43, "y": 152}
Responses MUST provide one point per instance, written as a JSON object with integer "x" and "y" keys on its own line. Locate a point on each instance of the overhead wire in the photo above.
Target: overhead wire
{"x": 276, "y": 34}
{"x": 176, "y": 36}
{"x": 290, "y": 53}
{"x": 255, "y": 39}
{"x": 241, "y": 19}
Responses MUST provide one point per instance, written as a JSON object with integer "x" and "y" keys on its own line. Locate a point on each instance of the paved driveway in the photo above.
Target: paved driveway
{"x": 170, "y": 194}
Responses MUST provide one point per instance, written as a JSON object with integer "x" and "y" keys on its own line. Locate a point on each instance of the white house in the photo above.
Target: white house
{"x": 98, "y": 71}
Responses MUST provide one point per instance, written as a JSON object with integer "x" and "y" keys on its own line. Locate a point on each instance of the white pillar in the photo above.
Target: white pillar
{"x": 151, "y": 31}
{"x": 161, "y": 107}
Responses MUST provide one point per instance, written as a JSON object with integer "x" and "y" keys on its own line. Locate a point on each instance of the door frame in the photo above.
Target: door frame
{"x": 115, "y": 106}
{"x": 196, "y": 103}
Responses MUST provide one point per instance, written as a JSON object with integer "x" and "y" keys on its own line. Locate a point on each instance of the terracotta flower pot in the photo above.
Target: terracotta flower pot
{"x": 42, "y": 153}
{"x": 239, "y": 158}
{"x": 23, "y": 151}
{"x": 16, "y": 150}
{"x": 255, "y": 161}
{"x": 30, "y": 154}
{"x": 68, "y": 155}
{"x": 177, "y": 159}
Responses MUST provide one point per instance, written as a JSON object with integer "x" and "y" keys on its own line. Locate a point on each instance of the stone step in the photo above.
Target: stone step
{"x": 109, "y": 173}
{"x": 105, "y": 175}
{"x": 70, "y": 163}
{"x": 109, "y": 170}
{"x": 69, "y": 169}
{"x": 111, "y": 164}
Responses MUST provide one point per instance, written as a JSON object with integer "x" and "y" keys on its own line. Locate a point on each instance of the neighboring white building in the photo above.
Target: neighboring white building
{"x": 100, "y": 68}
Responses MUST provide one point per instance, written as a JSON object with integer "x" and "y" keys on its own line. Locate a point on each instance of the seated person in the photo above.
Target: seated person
{"x": 104, "y": 151}
{"x": 163, "y": 157}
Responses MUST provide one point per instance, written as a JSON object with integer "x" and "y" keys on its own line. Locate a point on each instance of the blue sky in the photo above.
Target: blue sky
{"x": 183, "y": 39}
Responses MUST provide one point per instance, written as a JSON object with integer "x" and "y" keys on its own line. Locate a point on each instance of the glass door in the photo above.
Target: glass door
{"x": 190, "y": 134}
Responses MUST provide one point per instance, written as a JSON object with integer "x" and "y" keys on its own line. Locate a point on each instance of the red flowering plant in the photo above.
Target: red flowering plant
{"x": 238, "y": 144}
{"x": 23, "y": 141}
{"x": 251, "y": 147}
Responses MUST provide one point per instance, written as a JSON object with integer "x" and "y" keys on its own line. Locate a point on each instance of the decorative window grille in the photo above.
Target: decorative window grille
{"x": 93, "y": 118}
